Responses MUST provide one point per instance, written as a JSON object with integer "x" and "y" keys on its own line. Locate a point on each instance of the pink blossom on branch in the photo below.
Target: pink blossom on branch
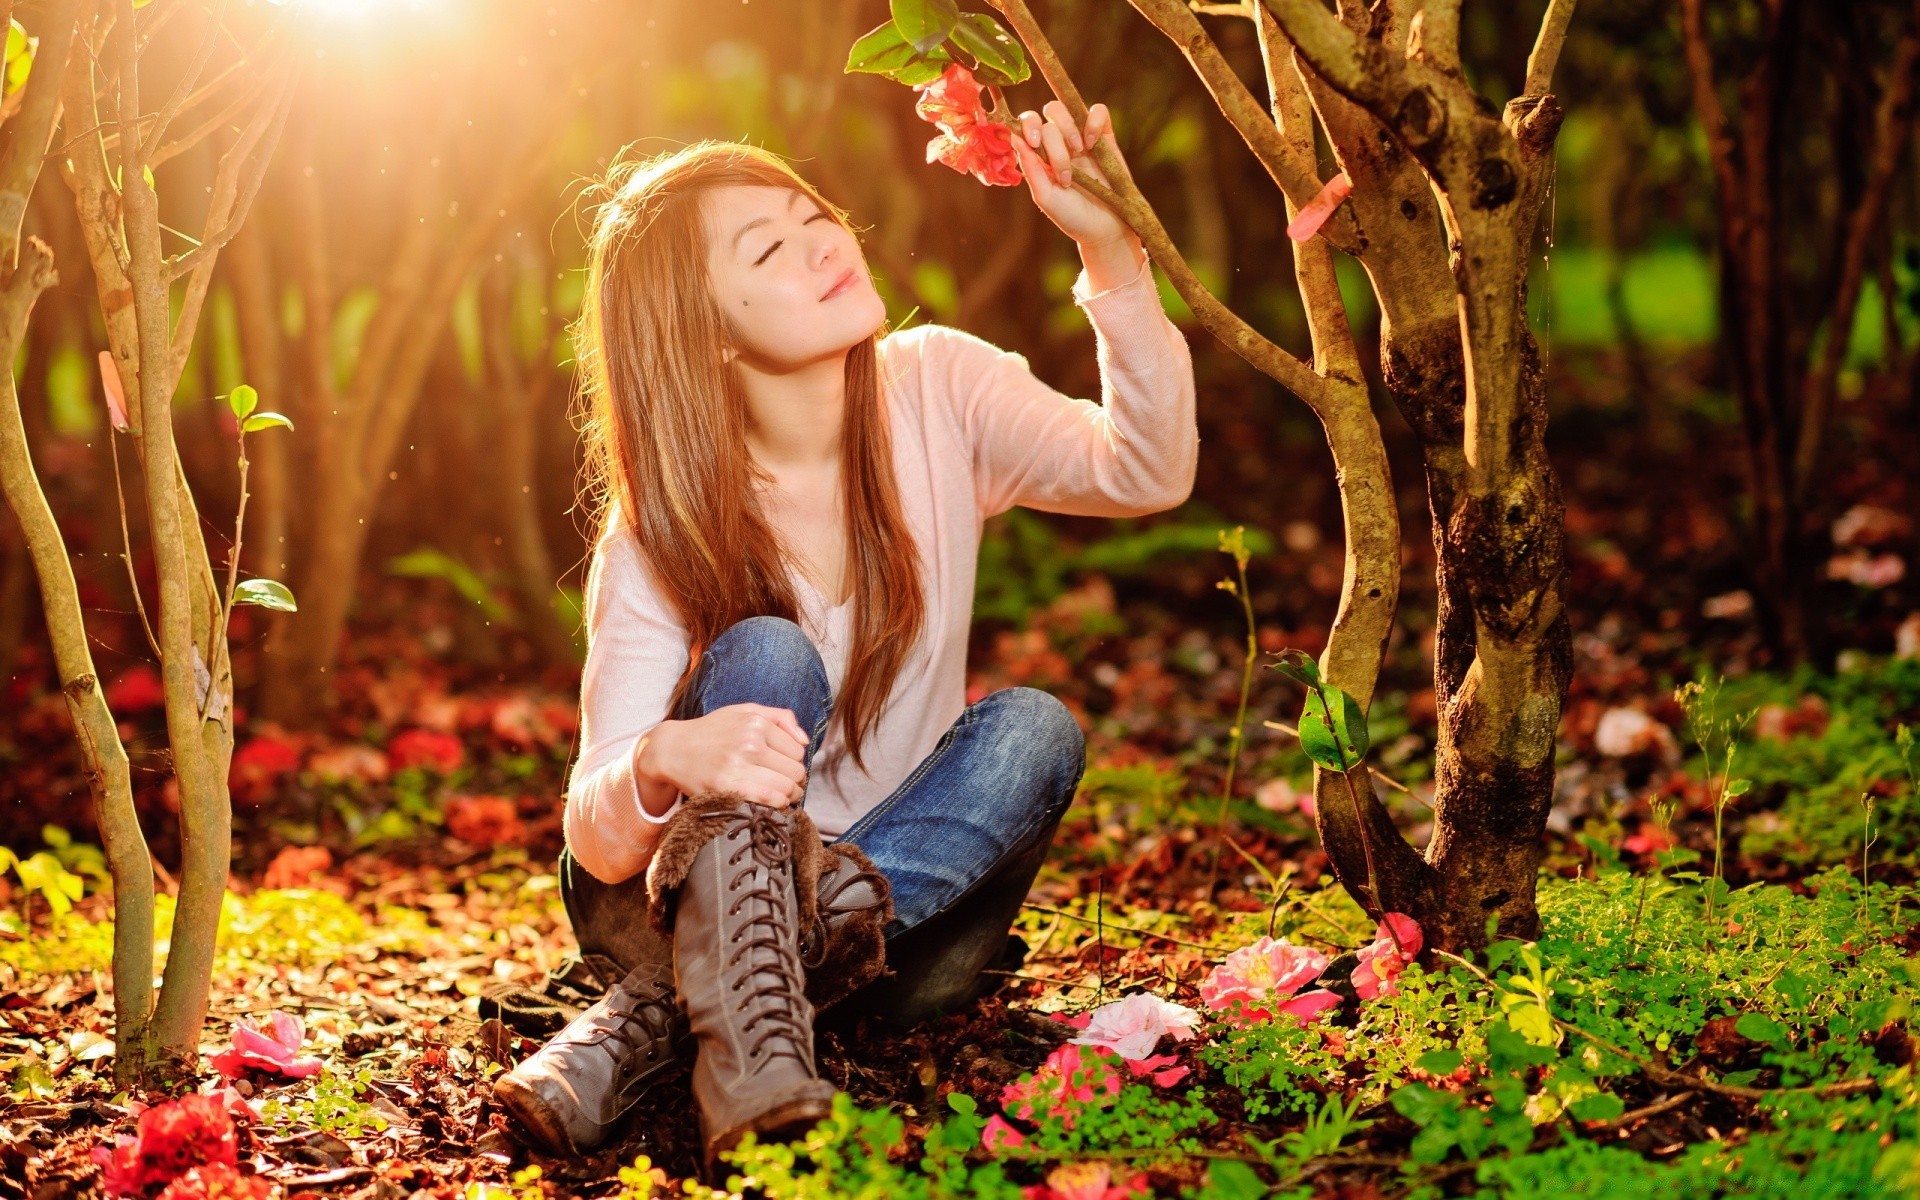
{"x": 273, "y": 1045}
{"x": 970, "y": 140}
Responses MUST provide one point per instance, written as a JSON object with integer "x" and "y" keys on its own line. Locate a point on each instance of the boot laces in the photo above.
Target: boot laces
{"x": 770, "y": 927}
{"x": 831, "y": 909}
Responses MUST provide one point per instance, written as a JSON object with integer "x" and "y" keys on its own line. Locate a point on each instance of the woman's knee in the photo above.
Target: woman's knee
{"x": 764, "y": 660}
{"x": 1046, "y": 730}
{"x": 768, "y": 640}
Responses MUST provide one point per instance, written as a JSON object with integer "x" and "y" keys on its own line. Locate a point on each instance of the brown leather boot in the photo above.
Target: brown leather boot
{"x": 723, "y": 880}
{"x": 844, "y": 946}
{"x": 570, "y": 1094}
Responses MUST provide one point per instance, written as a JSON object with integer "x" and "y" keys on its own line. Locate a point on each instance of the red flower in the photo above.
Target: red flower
{"x": 171, "y": 1138}
{"x": 260, "y": 764}
{"x": 273, "y": 1045}
{"x": 441, "y": 752}
{"x": 136, "y": 690}
{"x": 970, "y": 140}
{"x": 485, "y": 820}
{"x": 217, "y": 1181}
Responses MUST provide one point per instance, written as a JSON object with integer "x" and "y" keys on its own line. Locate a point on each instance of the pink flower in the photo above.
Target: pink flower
{"x": 1308, "y": 1006}
{"x": 193, "y": 1131}
{"x": 1085, "y": 1181}
{"x": 440, "y": 752}
{"x": 1000, "y": 1134}
{"x": 1160, "y": 1068}
{"x": 1133, "y": 1027}
{"x": 273, "y": 1046}
{"x": 1381, "y": 962}
{"x": 1068, "y": 1078}
{"x": 970, "y": 140}
{"x": 1253, "y": 976}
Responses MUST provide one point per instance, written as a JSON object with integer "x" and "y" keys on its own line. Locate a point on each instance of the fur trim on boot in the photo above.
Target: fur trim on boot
{"x": 698, "y": 820}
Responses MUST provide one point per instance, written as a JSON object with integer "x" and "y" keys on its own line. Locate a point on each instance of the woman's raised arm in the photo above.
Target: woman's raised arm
{"x": 1135, "y": 452}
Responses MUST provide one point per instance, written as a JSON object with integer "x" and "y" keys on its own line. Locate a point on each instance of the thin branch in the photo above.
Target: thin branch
{"x": 1893, "y": 130}
{"x": 32, "y": 128}
{"x": 126, "y": 548}
{"x": 1547, "y": 46}
{"x": 1298, "y": 180}
{"x": 1706, "y": 103}
{"x": 182, "y": 88}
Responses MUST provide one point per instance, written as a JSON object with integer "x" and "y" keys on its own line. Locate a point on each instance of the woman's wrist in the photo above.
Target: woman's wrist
{"x": 1113, "y": 261}
{"x": 657, "y": 792}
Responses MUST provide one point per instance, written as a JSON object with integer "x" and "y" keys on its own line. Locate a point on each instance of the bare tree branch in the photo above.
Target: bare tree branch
{"x": 1546, "y": 47}
{"x": 1297, "y": 179}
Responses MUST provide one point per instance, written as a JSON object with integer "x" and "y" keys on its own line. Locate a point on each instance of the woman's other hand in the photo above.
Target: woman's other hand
{"x": 751, "y": 749}
{"x": 1051, "y": 153}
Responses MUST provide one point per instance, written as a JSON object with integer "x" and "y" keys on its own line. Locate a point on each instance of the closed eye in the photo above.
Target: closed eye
{"x": 818, "y": 215}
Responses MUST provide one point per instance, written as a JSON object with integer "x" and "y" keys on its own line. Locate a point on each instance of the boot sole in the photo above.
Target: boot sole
{"x": 784, "y": 1123}
{"x": 537, "y": 1116}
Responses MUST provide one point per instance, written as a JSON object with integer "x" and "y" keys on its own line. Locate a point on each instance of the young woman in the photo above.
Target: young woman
{"x": 781, "y": 789}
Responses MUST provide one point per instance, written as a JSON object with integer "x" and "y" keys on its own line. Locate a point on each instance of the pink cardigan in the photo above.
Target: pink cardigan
{"x": 974, "y": 433}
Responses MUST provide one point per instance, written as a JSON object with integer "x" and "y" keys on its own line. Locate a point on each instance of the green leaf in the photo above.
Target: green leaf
{"x": 1440, "y": 1062}
{"x": 266, "y": 420}
{"x": 428, "y": 563}
{"x": 925, "y": 23}
{"x": 1338, "y": 742}
{"x": 924, "y": 68}
{"x": 1761, "y": 1029}
{"x": 1421, "y": 1104}
{"x": 960, "y": 1102}
{"x": 1229, "y": 1179}
{"x": 879, "y": 51}
{"x": 998, "y": 58}
{"x": 1299, "y": 666}
{"x": 243, "y": 400}
{"x": 1738, "y": 787}
{"x": 1601, "y": 1106}
{"x": 1509, "y": 1051}
{"x": 267, "y": 593}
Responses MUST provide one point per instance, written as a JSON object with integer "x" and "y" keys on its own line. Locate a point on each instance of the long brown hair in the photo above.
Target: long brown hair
{"x": 666, "y": 426}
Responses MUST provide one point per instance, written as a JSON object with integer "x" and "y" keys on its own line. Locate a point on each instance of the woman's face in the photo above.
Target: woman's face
{"x": 774, "y": 256}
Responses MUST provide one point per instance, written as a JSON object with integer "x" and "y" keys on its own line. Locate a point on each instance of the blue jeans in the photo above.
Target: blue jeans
{"x": 960, "y": 840}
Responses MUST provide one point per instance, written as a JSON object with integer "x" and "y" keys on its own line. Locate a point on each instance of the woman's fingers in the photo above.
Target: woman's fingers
{"x": 1054, "y": 141}
{"x": 1058, "y": 116}
{"x": 1099, "y": 124}
{"x": 788, "y": 769}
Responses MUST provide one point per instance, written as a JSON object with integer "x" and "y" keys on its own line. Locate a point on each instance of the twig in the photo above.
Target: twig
{"x": 1640, "y": 1114}
{"x": 1065, "y": 915}
{"x": 1085, "y": 987}
{"x": 126, "y": 547}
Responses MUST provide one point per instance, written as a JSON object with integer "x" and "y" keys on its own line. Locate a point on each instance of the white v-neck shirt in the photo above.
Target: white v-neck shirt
{"x": 974, "y": 433}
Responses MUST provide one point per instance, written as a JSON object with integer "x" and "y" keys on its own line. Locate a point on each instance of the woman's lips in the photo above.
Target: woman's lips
{"x": 840, "y": 285}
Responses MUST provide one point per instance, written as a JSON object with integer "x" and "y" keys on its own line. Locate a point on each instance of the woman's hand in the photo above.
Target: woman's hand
{"x": 756, "y": 751}
{"x": 1051, "y": 153}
